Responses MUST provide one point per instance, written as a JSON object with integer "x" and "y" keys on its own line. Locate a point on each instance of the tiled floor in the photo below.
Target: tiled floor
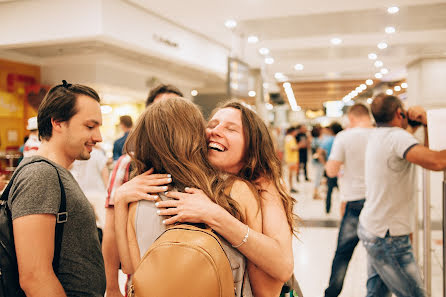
{"x": 315, "y": 246}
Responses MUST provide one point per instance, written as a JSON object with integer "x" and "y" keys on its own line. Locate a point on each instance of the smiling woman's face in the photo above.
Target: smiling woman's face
{"x": 226, "y": 140}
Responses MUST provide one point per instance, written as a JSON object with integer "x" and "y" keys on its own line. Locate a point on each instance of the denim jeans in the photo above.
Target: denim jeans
{"x": 347, "y": 241}
{"x": 390, "y": 260}
{"x": 332, "y": 182}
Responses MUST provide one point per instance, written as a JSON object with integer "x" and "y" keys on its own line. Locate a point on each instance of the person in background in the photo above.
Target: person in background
{"x": 303, "y": 143}
{"x": 33, "y": 142}
{"x": 119, "y": 176}
{"x": 348, "y": 151}
{"x": 291, "y": 155}
{"x": 388, "y": 216}
{"x": 318, "y": 166}
{"x": 2, "y": 182}
{"x": 125, "y": 124}
{"x": 324, "y": 153}
{"x": 92, "y": 176}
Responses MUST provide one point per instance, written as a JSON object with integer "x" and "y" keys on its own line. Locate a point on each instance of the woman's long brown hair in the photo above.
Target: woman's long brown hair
{"x": 261, "y": 160}
{"x": 170, "y": 137}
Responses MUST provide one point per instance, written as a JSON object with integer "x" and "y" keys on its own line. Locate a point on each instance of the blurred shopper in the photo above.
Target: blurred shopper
{"x": 125, "y": 125}
{"x": 324, "y": 154}
{"x": 348, "y": 151}
{"x": 291, "y": 156}
{"x": 303, "y": 143}
{"x": 69, "y": 118}
{"x": 92, "y": 176}
{"x": 317, "y": 165}
{"x": 2, "y": 182}
{"x": 119, "y": 176}
{"x": 32, "y": 144}
{"x": 388, "y": 216}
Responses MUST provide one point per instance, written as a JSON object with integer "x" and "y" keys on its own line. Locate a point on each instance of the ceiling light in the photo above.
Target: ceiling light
{"x": 369, "y": 82}
{"x": 389, "y": 92}
{"x": 404, "y": 85}
{"x": 269, "y": 60}
{"x": 290, "y": 94}
{"x": 358, "y": 89}
{"x": 397, "y": 88}
{"x": 378, "y": 63}
{"x": 269, "y": 106}
{"x": 336, "y": 41}
{"x": 378, "y": 75}
{"x": 278, "y": 75}
{"x": 194, "y": 93}
{"x": 390, "y": 30}
{"x": 253, "y": 39}
{"x": 106, "y": 109}
{"x": 373, "y": 56}
{"x": 264, "y": 51}
{"x": 265, "y": 85}
{"x": 299, "y": 67}
{"x": 347, "y": 98}
{"x": 382, "y": 45}
{"x": 363, "y": 87}
{"x": 230, "y": 24}
{"x": 252, "y": 93}
{"x": 369, "y": 100}
{"x": 355, "y": 93}
{"x": 384, "y": 70}
{"x": 393, "y": 9}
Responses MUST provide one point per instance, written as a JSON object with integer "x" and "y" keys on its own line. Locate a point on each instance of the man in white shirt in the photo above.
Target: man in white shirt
{"x": 33, "y": 142}
{"x": 348, "y": 150}
{"x": 388, "y": 216}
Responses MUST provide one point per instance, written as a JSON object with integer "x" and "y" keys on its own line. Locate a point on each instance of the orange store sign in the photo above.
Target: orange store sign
{"x": 10, "y": 105}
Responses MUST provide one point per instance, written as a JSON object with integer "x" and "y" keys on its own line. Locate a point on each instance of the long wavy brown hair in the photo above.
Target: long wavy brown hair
{"x": 170, "y": 137}
{"x": 260, "y": 157}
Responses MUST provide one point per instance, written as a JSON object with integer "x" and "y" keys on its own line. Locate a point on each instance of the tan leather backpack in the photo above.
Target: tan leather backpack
{"x": 185, "y": 261}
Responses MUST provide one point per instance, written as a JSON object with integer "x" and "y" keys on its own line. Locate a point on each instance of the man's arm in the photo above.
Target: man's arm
{"x": 332, "y": 168}
{"x": 34, "y": 243}
{"x": 426, "y": 158}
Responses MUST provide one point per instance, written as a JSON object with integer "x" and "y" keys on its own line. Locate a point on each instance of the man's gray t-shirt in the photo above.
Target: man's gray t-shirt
{"x": 390, "y": 183}
{"x": 349, "y": 148}
{"x": 36, "y": 190}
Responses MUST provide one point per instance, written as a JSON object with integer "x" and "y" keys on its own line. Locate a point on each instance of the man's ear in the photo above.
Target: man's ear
{"x": 57, "y": 125}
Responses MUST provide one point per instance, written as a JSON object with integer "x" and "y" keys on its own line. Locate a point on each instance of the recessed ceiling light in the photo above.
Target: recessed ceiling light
{"x": 393, "y": 9}
{"x": 373, "y": 56}
{"x": 358, "y": 89}
{"x": 363, "y": 87}
{"x": 404, "y": 85}
{"x": 253, "y": 39}
{"x": 378, "y": 64}
{"x": 194, "y": 93}
{"x": 279, "y": 75}
{"x": 369, "y": 82}
{"x": 230, "y": 24}
{"x": 384, "y": 70}
{"x": 286, "y": 85}
{"x": 378, "y": 75}
{"x": 382, "y": 45}
{"x": 106, "y": 109}
{"x": 336, "y": 41}
{"x": 252, "y": 93}
{"x": 389, "y": 92}
{"x": 397, "y": 88}
{"x": 390, "y": 30}
{"x": 369, "y": 100}
{"x": 299, "y": 67}
{"x": 264, "y": 51}
{"x": 355, "y": 93}
{"x": 269, "y": 60}
{"x": 266, "y": 85}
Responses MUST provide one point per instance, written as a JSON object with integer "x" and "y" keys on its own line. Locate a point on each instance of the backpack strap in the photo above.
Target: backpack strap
{"x": 61, "y": 217}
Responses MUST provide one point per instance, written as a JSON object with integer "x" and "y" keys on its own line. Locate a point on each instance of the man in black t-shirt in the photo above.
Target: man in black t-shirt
{"x": 303, "y": 143}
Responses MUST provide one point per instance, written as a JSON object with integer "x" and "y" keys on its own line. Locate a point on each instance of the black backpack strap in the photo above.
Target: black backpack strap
{"x": 61, "y": 216}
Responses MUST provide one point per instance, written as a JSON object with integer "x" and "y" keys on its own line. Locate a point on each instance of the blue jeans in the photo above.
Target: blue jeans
{"x": 390, "y": 260}
{"x": 332, "y": 182}
{"x": 347, "y": 241}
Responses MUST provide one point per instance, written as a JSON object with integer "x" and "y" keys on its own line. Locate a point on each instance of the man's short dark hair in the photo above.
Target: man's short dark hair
{"x": 162, "y": 89}
{"x": 126, "y": 121}
{"x": 59, "y": 104}
{"x": 384, "y": 107}
{"x": 335, "y": 127}
{"x": 359, "y": 110}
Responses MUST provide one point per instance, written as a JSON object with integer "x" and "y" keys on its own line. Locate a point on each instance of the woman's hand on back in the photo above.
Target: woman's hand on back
{"x": 142, "y": 187}
{"x": 193, "y": 206}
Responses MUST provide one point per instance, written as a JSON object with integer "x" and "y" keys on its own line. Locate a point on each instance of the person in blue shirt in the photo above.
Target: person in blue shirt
{"x": 125, "y": 124}
{"x": 324, "y": 151}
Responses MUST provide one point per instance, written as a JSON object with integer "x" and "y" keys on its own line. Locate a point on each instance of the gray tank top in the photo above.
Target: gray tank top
{"x": 149, "y": 226}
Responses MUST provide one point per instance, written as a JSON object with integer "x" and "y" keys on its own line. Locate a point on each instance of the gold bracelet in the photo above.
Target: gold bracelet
{"x": 245, "y": 239}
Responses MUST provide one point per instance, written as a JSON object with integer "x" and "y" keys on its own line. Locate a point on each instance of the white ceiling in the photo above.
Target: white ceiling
{"x": 299, "y": 31}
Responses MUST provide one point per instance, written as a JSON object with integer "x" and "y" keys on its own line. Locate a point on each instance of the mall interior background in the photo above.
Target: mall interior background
{"x": 293, "y": 61}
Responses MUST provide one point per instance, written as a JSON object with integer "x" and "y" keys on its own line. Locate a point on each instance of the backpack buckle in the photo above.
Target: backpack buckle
{"x": 62, "y": 217}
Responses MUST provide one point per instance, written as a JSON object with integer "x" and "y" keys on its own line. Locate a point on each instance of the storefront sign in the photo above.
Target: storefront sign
{"x": 10, "y": 105}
